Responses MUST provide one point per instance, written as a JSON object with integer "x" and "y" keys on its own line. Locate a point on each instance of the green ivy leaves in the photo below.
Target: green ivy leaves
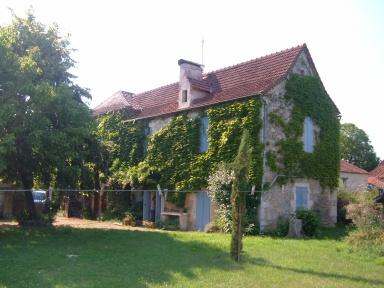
{"x": 172, "y": 158}
{"x": 309, "y": 99}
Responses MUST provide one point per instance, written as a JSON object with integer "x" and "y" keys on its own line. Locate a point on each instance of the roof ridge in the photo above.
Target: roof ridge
{"x": 228, "y": 67}
{"x": 119, "y": 92}
{"x": 247, "y": 82}
{"x": 256, "y": 59}
{"x": 157, "y": 88}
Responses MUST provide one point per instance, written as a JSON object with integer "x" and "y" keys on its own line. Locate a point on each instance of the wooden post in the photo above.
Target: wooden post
{"x": 100, "y": 204}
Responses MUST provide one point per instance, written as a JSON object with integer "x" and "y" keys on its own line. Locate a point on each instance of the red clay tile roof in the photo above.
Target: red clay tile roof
{"x": 376, "y": 182}
{"x": 115, "y": 102}
{"x": 239, "y": 81}
{"x": 350, "y": 168}
{"x": 378, "y": 172}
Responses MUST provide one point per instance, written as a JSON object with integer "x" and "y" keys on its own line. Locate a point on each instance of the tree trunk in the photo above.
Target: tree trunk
{"x": 238, "y": 198}
{"x": 24, "y": 164}
{"x": 30, "y": 205}
{"x": 238, "y": 211}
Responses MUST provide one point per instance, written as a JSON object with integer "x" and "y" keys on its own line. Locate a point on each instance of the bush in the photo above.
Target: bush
{"x": 311, "y": 221}
{"x": 370, "y": 240}
{"x": 368, "y": 218}
{"x": 121, "y": 202}
{"x": 282, "y": 226}
{"x": 220, "y": 190}
{"x": 343, "y": 199}
{"x": 366, "y": 215}
{"x": 223, "y": 219}
{"x": 129, "y": 219}
{"x": 171, "y": 224}
{"x": 25, "y": 220}
{"x": 88, "y": 214}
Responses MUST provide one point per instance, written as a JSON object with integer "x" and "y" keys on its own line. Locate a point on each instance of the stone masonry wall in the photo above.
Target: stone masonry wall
{"x": 354, "y": 182}
{"x": 280, "y": 200}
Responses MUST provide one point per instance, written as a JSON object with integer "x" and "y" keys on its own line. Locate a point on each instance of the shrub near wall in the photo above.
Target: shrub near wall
{"x": 310, "y": 220}
{"x": 368, "y": 218}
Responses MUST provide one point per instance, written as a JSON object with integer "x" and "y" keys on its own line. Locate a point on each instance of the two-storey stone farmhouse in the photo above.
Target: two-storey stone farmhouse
{"x": 279, "y": 98}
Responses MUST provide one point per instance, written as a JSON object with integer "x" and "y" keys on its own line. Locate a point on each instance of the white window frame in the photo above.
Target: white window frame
{"x": 309, "y": 202}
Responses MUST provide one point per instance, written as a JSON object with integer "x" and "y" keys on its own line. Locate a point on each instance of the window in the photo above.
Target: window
{"x": 146, "y": 139}
{"x": 301, "y": 197}
{"x": 203, "y": 134}
{"x": 184, "y": 96}
{"x": 308, "y": 135}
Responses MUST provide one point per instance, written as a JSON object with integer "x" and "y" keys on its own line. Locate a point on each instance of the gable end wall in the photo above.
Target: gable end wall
{"x": 279, "y": 200}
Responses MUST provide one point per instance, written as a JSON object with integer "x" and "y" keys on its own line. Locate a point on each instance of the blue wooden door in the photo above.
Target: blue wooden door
{"x": 203, "y": 210}
{"x": 147, "y": 205}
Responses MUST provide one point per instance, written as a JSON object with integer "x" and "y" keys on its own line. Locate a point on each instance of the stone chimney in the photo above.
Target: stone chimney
{"x": 188, "y": 71}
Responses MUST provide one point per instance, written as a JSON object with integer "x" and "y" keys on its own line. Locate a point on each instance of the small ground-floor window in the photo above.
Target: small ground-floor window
{"x": 301, "y": 196}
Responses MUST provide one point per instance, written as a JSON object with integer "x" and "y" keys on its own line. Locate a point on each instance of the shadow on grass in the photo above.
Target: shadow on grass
{"x": 70, "y": 257}
{"x": 262, "y": 262}
{"x": 337, "y": 233}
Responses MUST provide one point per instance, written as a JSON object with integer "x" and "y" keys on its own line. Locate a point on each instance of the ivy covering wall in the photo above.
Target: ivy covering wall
{"x": 172, "y": 157}
{"x": 309, "y": 99}
{"x": 122, "y": 143}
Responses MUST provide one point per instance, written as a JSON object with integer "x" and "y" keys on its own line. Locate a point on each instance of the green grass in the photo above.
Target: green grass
{"x": 39, "y": 258}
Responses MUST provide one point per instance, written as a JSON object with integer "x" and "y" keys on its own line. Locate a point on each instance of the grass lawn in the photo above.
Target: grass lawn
{"x": 68, "y": 257}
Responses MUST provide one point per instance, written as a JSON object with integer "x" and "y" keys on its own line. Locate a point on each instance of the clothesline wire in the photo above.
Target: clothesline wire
{"x": 119, "y": 190}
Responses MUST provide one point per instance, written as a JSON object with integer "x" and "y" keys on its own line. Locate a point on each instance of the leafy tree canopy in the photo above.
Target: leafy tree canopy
{"x": 45, "y": 128}
{"x": 356, "y": 147}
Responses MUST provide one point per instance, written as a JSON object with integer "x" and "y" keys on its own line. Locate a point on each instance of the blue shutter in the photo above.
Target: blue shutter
{"x": 147, "y": 205}
{"x": 308, "y": 135}
{"x": 301, "y": 197}
{"x": 203, "y": 210}
{"x": 203, "y": 134}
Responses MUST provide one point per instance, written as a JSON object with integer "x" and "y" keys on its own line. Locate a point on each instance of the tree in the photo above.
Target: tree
{"x": 44, "y": 124}
{"x": 240, "y": 168}
{"x": 356, "y": 147}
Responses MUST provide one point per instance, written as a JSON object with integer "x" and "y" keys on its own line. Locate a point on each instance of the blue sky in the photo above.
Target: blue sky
{"x": 135, "y": 45}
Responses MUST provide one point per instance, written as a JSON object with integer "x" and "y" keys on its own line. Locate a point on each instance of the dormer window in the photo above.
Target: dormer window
{"x": 184, "y": 96}
{"x": 190, "y": 83}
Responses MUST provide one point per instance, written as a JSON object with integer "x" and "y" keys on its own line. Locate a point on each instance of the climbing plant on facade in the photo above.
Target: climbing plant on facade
{"x": 309, "y": 99}
{"x": 122, "y": 143}
{"x": 172, "y": 158}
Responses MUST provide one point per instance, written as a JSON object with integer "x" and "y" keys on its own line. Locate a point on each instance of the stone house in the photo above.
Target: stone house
{"x": 353, "y": 177}
{"x": 264, "y": 78}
